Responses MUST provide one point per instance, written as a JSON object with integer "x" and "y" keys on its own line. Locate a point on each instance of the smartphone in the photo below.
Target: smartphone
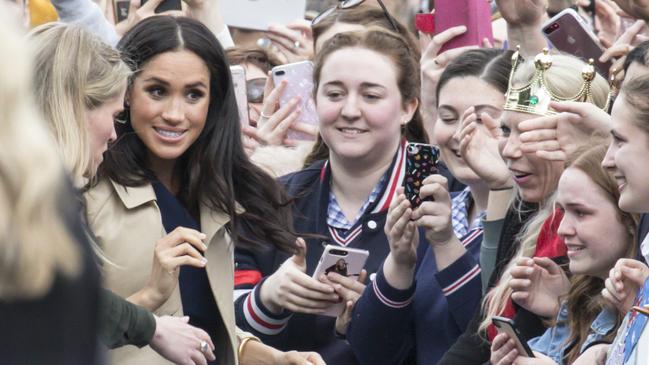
{"x": 345, "y": 261}
{"x": 167, "y": 5}
{"x": 425, "y": 23}
{"x": 121, "y": 9}
{"x": 568, "y": 32}
{"x": 421, "y": 162}
{"x": 240, "y": 92}
{"x": 299, "y": 77}
{"x": 474, "y": 14}
{"x": 508, "y": 326}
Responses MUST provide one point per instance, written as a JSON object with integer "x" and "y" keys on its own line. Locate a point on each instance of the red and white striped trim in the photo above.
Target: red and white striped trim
{"x": 388, "y": 302}
{"x": 258, "y": 320}
{"x": 472, "y": 236}
{"x": 347, "y": 240}
{"x": 459, "y": 283}
{"x": 396, "y": 179}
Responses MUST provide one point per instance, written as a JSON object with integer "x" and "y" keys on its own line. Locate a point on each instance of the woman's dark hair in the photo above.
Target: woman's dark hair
{"x": 215, "y": 170}
{"x": 398, "y": 49}
{"x": 253, "y": 55}
{"x": 639, "y": 54}
{"x": 491, "y": 65}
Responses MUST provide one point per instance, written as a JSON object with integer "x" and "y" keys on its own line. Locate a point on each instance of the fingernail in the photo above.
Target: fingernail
{"x": 204, "y": 261}
{"x": 203, "y": 236}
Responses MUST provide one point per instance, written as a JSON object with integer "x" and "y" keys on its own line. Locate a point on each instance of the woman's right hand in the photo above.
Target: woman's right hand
{"x": 179, "y": 342}
{"x": 503, "y": 350}
{"x": 623, "y": 283}
{"x": 538, "y": 284}
{"x": 292, "y": 289}
{"x": 403, "y": 238}
{"x": 183, "y": 246}
{"x": 479, "y": 148}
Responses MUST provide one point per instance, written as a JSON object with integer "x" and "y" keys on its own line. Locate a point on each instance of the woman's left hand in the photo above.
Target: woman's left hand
{"x": 294, "y": 40}
{"x": 349, "y": 291}
{"x": 435, "y": 216}
{"x": 298, "y": 358}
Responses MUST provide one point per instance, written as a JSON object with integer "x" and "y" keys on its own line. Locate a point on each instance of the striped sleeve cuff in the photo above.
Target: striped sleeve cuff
{"x": 260, "y": 318}
{"x": 458, "y": 275}
{"x": 389, "y": 296}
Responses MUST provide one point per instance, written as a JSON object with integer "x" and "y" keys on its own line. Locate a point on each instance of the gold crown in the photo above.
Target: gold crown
{"x": 535, "y": 97}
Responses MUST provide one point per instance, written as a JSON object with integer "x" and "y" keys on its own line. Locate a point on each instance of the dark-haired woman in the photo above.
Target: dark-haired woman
{"x": 177, "y": 185}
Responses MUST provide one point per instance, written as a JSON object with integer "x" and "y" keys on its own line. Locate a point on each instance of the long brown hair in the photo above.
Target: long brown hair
{"x": 584, "y": 300}
{"x": 394, "y": 47}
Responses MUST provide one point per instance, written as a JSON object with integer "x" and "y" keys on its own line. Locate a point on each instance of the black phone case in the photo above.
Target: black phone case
{"x": 421, "y": 162}
{"x": 167, "y": 5}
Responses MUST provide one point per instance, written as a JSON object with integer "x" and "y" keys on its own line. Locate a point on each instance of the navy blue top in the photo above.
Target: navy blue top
{"x": 195, "y": 291}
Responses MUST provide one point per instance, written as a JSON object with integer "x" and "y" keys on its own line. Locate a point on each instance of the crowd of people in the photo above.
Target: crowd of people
{"x": 144, "y": 219}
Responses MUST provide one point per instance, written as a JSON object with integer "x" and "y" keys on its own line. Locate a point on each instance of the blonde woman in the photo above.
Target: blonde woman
{"x": 48, "y": 282}
{"x": 80, "y": 84}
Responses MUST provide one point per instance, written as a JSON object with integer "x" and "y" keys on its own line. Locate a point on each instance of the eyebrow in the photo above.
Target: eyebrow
{"x": 478, "y": 108}
{"x": 447, "y": 107}
{"x": 617, "y": 135}
{"x": 166, "y": 83}
{"x": 364, "y": 85}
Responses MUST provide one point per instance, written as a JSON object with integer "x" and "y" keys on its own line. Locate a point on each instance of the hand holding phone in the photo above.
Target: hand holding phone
{"x": 506, "y": 325}
{"x": 474, "y": 14}
{"x": 299, "y": 79}
{"x": 347, "y": 262}
{"x": 240, "y": 92}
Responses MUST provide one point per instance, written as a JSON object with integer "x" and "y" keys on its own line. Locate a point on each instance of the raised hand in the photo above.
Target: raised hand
{"x": 522, "y": 12}
{"x": 292, "y": 289}
{"x": 183, "y": 246}
{"x": 479, "y": 149}
{"x": 623, "y": 283}
{"x": 403, "y": 238}
{"x": 138, "y": 12}
{"x": 636, "y": 8}
{"x": 537, "y": 285}
{"x": 555, "y": 137}
{"x": 294, "y": 41}
{"x": 503, "y": 350}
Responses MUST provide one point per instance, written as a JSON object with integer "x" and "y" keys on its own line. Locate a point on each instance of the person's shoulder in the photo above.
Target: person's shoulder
{"x": 297, "y": 181}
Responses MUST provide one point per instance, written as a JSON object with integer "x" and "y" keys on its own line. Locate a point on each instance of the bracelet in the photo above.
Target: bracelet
{"x": 243, "y": 344}
{"x": 503, "y": 188}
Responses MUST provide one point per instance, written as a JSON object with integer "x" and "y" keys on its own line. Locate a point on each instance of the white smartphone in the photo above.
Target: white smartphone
{"x": 240, "y": 92}
{"x": 299, "y": 76}
{"x": 345, "y": 261}
{"x": 569, "y": 33}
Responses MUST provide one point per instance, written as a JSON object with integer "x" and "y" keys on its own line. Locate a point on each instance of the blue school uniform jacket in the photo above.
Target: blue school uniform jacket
{"x": 305, "y": 332}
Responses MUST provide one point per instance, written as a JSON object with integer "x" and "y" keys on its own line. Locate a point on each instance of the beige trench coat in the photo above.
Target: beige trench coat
{"x": 127, "y": 224}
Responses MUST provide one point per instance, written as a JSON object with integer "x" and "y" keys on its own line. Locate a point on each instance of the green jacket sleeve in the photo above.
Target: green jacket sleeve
{"x": 123, "y": 323}
{"x": 489, "y": 249}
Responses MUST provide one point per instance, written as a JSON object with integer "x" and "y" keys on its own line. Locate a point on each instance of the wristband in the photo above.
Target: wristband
{"x": 243, "y": 344}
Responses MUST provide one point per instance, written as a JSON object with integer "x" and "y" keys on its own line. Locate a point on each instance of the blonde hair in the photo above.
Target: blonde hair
{"x": 75, "y": 72}
{"x": 34, "y": 242}
{"x": 564, "y": 79}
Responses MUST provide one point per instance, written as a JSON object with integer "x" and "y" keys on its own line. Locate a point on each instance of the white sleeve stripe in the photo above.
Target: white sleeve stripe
{"x": 388, "y": 302}
{"x": 459, "y": 283}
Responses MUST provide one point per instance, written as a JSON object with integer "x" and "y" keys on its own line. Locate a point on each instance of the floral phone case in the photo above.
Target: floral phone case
{"x": 299, "y": 76}
{"x": 421, "y": 162}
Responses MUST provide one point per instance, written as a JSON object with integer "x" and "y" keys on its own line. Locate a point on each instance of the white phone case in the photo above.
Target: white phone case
{"x": 299, "y": 76}
{"x": 344, "y": 261}
{"x": 240, "y": 92}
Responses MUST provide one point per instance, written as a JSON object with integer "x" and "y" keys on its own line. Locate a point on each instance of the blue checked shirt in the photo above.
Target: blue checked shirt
{"x": 335, "y": 216}
{"x": 460, "y": 205}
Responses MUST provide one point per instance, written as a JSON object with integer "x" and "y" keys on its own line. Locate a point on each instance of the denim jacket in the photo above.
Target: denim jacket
{"x": 553, "y": 344}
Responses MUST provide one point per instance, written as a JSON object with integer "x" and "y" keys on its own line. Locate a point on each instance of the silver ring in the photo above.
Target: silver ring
{"x": 204, "y": 347}
{"x": 297, "y": 45}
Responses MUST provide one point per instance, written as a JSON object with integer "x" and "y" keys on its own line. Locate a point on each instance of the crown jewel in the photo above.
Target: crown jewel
{"x": 535, "y": 97}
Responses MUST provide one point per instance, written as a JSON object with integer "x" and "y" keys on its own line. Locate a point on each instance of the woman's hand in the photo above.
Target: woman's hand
{"x": 556, "y": 137}
{"x": 435, "y": 215}
{"x": 274, "y": 122}
{"x": 433, "y": 64}
{"x": 479, "y": 149}
{"x": 519, "y": 13}
{"x": 537, "y": 285}
{"x": 622, "y": 46}
{"x": 138, "y": 12}
{"x": 298, "y": 358}
{"x": 292, "y": 289}
{"x": 177, "y": 341}
{"x": 403, "y": 237}
{"x": 503, "y": 350}
{"x": 349, "y": 291}
{"x": 183, "y": 246}
{"x": 294, "y": 40}
{"x": 623, "y": 283}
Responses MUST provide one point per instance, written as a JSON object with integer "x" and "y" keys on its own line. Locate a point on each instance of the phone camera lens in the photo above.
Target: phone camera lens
{"x": 412, "y": 149}
{"x": 280, "y": 73}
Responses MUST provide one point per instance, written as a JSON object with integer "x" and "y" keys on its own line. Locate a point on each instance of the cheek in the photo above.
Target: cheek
{"x": 443, "y": 133}
{"x": 327, "y": 112}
